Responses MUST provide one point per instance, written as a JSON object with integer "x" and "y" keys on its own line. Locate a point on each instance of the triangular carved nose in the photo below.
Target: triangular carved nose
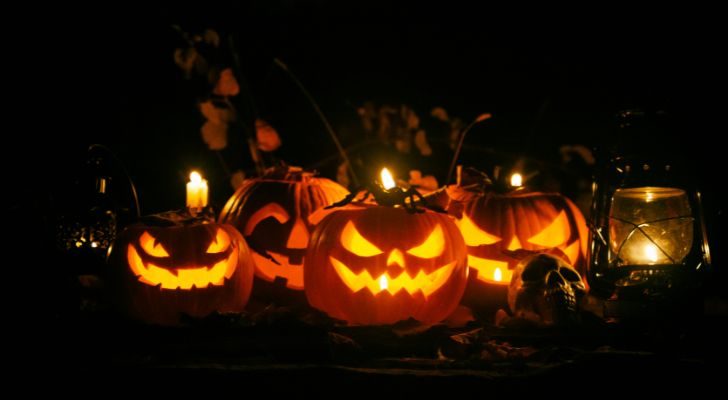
{"x": 395, "y": 257}
{"x": 515, "y": 244}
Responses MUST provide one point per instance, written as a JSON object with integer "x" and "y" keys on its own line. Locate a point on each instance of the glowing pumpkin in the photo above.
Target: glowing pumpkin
{"x": 369, "y": 264}
{"x": 272, "y": 213}
{"x": 499, "y": 228}
{"x": 170, "y": 266}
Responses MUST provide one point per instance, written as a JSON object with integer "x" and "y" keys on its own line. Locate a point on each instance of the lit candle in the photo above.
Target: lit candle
{"x": 387, "y": 179}
{"x": 516, "y": 180}
{"x": 196, "y": 191}
{"x": 651, "y": 253}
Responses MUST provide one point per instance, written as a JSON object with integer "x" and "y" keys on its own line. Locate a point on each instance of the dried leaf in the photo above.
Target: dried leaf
{"x": 215, "y": 135}
{"x": 386, "y": 114}
{"x": 483, "y": 117}
{"x": 368, "y": 114}
{"x": 215, "y": 114}
{"x": 460, "y": 317}
{"x": 211, "y": 37}
{"x": 268, "y": 139}
{"x": 427, "y": 182}
{"x": 412, "y": 121}
{"x": 421, "y": 142}
{"x": 440, "y": 113}
{"x": 185, "y": 59}
{"x": 227, "y": 85}
{"x": 402, "y": 145}
{"x": 236, "y": 179}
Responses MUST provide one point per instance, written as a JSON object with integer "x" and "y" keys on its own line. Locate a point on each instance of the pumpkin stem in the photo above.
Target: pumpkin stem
{"x": 181, "y": 217}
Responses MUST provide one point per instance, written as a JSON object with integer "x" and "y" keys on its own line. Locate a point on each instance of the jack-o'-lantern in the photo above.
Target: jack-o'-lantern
{"x": 174, "y": 264}
{"x": 499, "y": 222}
{"x": 371, "y": 264}
{"x": 272, "y": 213}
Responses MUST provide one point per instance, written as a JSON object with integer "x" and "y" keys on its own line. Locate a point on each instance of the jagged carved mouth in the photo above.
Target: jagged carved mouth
{"x": 182, "y": 278}
{"x": 490, "y": 271}
{"x": 286, "y": 268}
{"x": 422, "y": 282}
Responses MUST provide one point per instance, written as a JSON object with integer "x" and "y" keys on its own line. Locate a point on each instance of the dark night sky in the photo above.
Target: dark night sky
{"x": 548, "y": 78}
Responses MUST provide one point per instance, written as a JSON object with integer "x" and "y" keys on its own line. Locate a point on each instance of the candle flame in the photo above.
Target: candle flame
{"x": 195, "y": 177}
{"x": 387, "y": 179}
{"x": 497, "y": 275}
{"x": 516, "y": 180}
{"x": 651, "y": 252}
{"x": 383, "y": 283}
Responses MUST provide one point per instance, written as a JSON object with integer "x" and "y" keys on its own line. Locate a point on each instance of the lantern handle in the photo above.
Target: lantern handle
{"x": 122, "y": 167}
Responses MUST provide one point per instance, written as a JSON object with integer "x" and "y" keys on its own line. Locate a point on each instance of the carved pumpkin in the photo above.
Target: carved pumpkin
{"x": 272, "y": 213}
{"x": 175, "y": 264}
{"x": 501, "y": 226}
{"x": 369, "y": 264}
{"x": 495, "y": 225}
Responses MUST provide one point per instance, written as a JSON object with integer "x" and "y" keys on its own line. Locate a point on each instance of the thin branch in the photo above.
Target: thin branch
{"x": 480, "y": 118}
{"x": 321, "y": 115}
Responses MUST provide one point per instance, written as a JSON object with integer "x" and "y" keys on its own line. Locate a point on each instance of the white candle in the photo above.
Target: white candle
{"x": 196, "y": 191}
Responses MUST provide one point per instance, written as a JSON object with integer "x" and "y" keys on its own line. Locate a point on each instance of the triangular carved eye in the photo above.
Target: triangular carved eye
{"x": 221, "y": 243}
{"x": 475, "y": 236}
{"x": 432, "y": 247}
{"x": 355, "y": 243}
{"x": 272, "y": 210}
{"x": 151, "y": 246}
{"x": 556, "y": 234}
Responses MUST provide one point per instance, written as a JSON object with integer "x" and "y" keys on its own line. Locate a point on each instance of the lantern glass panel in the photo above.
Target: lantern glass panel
{"x": 650, "y": 226}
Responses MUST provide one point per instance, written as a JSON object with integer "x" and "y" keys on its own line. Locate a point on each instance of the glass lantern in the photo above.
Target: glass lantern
{"x": 89, "y": 210}
{"x": 648, "y": 239}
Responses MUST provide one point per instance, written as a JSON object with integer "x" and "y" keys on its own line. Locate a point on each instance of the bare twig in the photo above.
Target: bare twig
{"x": 480, "y": 118}
{"x": 321, "y": 115}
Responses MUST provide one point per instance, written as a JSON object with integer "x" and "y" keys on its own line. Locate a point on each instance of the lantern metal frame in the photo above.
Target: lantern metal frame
{"x": 613, "y": 279}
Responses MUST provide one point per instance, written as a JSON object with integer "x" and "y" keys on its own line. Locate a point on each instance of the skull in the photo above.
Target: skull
{"x": 546, "y": 290}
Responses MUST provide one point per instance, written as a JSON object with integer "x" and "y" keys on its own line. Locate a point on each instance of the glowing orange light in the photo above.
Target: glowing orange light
{"x": 516, "y": 180}
{"x": 491, "y": 271}
{"x": 181, "y": 278}
{"x": 387, "y": 179}
{"x": 383, "y": 283}
{"x": 497, "y": 275}
{"x": 556, "y": 234}
{"x": 355, "y": 243}
{"x": 422, "y": 282}
{"x": 432, "y": 247}
{"x": 473, "y": 235}
{"x": 651, "y": 252}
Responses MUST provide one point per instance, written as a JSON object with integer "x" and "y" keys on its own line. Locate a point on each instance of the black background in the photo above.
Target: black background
{"x": 104, "y": 73}
{"x": 550, "y": 77}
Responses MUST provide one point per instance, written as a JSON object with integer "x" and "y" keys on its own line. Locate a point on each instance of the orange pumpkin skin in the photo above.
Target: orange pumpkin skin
{"x": 201, "y": 268}
{"x": 496, "y": 226}
{"x": 396, "y": 236}
{"x": 272, "y": 214}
